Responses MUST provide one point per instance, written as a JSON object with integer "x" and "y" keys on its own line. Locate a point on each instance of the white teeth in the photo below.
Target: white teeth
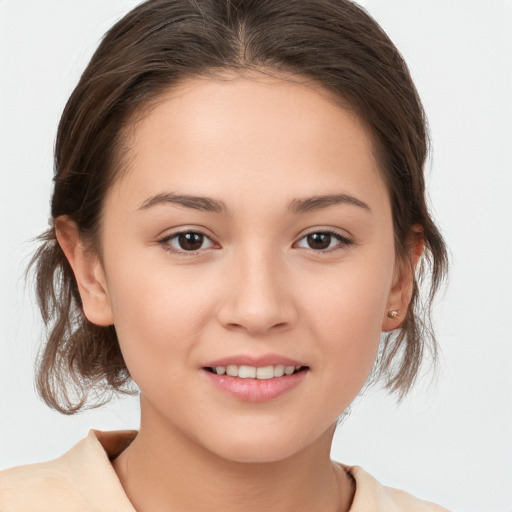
{"x": 232, "y": 370}
{"x": 265, "y": 372}
{"x": 279, "y": 370}
{"x": 253, "y": 372}
{"x": 247, "y": 372}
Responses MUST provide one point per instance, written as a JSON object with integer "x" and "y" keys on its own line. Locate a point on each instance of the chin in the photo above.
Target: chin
{"x": 263, "y": 445}
{"x": 261, "y": 454}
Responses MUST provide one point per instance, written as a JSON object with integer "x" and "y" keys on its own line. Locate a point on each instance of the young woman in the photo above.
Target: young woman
{"x": 239, "y": 228}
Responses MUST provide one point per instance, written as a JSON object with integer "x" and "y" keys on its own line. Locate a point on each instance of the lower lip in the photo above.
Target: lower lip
{"x": 256, "y": 390}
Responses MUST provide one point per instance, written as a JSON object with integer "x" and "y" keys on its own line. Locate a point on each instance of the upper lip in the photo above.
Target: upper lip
{"x": 258, "y": 361}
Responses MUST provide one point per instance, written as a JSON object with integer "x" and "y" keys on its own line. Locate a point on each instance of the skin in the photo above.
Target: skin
{"x": 255, "y": 286}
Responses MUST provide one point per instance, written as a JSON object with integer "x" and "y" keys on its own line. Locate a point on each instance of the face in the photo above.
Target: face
{"x": 252, "y": 234}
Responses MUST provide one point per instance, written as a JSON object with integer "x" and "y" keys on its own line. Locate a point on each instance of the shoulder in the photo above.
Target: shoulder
{"x": 82, "y": 479}
{"x": 371, "y": 495}
{"x": 34, "y": 486}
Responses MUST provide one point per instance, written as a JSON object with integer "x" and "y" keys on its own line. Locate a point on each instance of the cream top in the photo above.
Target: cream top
{"x": 83, "y": 480}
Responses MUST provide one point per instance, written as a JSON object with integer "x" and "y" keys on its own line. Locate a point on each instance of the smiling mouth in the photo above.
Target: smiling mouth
{"x": 256, "y": 372}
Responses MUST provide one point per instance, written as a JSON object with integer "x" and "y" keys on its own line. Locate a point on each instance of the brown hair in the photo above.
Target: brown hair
{"x": 157, "y": 45}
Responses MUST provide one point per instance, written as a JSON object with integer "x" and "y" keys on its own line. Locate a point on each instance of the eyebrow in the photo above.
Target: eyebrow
{"x": 205, "y": 204}
{"x": 310, "y": 204}
{"x": 208, "y": 204}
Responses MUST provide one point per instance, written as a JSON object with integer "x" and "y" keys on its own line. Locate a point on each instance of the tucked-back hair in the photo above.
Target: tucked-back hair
{"x": 159, "y": 44}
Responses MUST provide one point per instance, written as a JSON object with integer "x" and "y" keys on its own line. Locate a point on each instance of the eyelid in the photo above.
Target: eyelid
{"x": 343, "y": 239}
{"x": 163, "y": 241}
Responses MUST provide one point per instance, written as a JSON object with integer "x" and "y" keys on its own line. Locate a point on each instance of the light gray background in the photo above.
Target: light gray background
{"x": 451, "y": 441}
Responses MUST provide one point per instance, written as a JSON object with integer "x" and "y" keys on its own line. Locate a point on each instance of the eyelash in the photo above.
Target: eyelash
{"x": 343, "y": 242}
{"x": 164, "y": 242}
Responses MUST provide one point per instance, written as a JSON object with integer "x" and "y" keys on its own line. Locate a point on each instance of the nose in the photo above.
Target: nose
{"x": 257, "y": 297}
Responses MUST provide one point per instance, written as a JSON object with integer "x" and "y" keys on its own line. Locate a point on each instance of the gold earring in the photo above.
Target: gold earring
{"x": 393, "y": 313}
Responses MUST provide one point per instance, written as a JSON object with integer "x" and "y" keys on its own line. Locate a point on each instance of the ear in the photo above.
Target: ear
{"x": 88, "y": 270}
{"x": 403, "y": 281}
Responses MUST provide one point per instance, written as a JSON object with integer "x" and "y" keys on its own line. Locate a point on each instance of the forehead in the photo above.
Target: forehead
{"x": 249, "y": 131}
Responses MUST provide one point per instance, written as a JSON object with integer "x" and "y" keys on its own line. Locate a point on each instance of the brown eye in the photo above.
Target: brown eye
{"x": 187, "y": 241}
{"x": 323, "y": 241}
{"x": 319, "y": 240}
{"x": 190, "y": 241}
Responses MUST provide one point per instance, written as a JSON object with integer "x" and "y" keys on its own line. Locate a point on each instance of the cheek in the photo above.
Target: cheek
{"x": 346, "y": 320}
{"x": 349, "y": 304}
{"x": 158, "y": 316}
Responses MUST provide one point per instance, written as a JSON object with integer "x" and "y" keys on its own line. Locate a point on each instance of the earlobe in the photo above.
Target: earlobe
{"x": 88, "y": 271}
{"x": 403, "y": 282}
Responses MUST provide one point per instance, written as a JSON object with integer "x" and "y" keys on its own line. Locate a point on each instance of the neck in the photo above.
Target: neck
{"x": 162, "y": 469}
